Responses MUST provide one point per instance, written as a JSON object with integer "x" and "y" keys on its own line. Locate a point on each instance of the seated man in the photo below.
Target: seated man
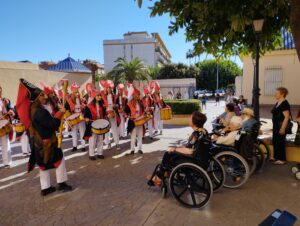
{"x": 230, "y": 132}
{"x": 248, "y": 120}
{"x": 197, "y": 121}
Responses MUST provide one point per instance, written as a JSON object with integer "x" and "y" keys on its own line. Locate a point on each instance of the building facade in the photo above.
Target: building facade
{"x": 150, "y": 49}
{"x": 277, "y": 68}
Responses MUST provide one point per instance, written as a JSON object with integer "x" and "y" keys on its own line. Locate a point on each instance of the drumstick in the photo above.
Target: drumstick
{"x": 65, "y": 88}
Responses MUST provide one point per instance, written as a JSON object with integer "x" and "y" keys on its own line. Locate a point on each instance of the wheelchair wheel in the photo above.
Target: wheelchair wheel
{"x": 295, "y": 169}
{"x": 265, "y": 148}
{"x": 164, "y": 191}
{"x": 236, "y": 169}
{"x": 260, "y": 158}
{"x": 297, "y": 175}
{"x": 216, "y": 172}
{"x": 190, "y": 185}
{"x": 252, "y": 163}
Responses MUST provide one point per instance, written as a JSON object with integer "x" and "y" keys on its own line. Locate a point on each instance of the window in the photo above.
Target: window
{"x": 273, "y": 79}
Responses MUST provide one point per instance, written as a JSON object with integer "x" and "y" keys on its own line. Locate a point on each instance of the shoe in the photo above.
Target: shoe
{"x": 74, "y": 149}
{"x": 48, "y": 191}
{"x": 64, "y": 187}
{"x": 6, "y": 166}
{"x": 140, "y": 152}
{"x": 100, "y": 156}
{"x": 70, "y": 136}
{"x": 132, "y": 152}
{"x": 160, "y": 133}
{"x": 92, "y": 158}
{"x": 83, "y": 149}
{"x": 118, "y": 147}
{"x": 109, "y": 146}
{"x": 155, "y": 132}
{"x": 151, "y": 138}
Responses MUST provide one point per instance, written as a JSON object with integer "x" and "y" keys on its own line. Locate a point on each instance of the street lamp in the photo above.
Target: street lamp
{"x": 257, "y": 27}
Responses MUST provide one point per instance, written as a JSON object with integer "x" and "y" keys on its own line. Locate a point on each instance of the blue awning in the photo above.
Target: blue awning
{"x": 287, "y": 39}
{"x": 69, "y": 65}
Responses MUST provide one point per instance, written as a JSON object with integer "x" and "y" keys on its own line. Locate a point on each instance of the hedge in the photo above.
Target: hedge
{"x": 184, "y": 107}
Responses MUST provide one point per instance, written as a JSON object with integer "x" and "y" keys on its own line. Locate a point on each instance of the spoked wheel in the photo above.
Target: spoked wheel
{"x": 265, "y": 148}
{"x": 216, "y": 172}
{"x": 252, "y": 161}
{"x": 260, "y": 158}
{"x": 164, "y": 191}
{"x": 190, "y": 185}
{"x": 236, "y": 169}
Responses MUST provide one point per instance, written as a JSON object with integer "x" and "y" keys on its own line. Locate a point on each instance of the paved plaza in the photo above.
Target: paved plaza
{"x": 113, "y": 191}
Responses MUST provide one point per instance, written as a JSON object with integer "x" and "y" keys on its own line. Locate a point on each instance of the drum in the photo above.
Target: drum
{"x": 110, "y": 113}
{"x": 142, "y": 120}
{"x": 100, "y": 126}
{"x": 19, "y": 128}
{"x": 74, "y": 119}
{"x": 166, "y": 113}
{"x": 4, "y": 127}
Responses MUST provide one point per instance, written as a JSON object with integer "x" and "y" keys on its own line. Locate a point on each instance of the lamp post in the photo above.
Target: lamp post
{"x": 257, "y": 26}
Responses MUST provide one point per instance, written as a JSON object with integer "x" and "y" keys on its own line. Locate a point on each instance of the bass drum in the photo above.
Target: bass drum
{"x": 5, "y": 127}
{"x": 166, "y": 113}
{"x": 100, "y": 126}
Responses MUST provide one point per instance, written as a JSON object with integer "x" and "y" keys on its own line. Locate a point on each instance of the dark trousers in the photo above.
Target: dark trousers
{"x": 279, "y": 145}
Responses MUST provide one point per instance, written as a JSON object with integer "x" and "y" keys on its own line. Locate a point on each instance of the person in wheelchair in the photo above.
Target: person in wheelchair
{"x": 223, "y": 120}
{"x": 188, "y": 151}
{"x": 249, "y": 122}
{"x": 229, "y": 134}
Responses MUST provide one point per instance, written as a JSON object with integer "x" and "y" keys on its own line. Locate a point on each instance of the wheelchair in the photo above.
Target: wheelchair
{"x": 191, "y": 179}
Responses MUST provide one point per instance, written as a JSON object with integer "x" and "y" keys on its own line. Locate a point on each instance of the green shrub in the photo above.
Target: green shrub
{"x": 184, "y": 107}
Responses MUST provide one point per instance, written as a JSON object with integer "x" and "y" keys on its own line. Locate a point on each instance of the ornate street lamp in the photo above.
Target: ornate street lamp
{"x": 257, "y": 27}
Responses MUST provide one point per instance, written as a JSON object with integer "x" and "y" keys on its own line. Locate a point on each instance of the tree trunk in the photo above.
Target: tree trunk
{"x": 295, "y": 24}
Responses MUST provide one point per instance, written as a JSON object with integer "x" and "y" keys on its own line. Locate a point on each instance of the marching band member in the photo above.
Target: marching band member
{"x": 95, "y": 110}
{"x": 6, "y": 111}
{"x": 33, "y": 112}
{"x": 121, "y": 101}
{"x": 135, "y": 109}
{"x": 148, "y": 105}
{"x": 158, "y": 104}
{"x": 89, "y": 89}
{"x": 74, "y": 105}
{"x": 109, "y": 98}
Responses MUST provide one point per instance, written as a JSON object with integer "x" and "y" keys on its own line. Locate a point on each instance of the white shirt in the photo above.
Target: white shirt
{"x": 228, "y": 139}
{"x": 137, "y": 110}
{"x": 2, "y": 108}
{"x": 97, "y": 109}
{"x": 110, "y": 101}
{"x": 48, "y": 108}
{"x": 77, "y": 106}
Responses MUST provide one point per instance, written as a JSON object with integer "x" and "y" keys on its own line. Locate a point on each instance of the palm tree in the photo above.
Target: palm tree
{"x": 153, "y": 72}
{"x": 128, "y": 71}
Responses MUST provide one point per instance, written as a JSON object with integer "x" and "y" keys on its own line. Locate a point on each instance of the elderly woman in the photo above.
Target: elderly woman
{"x": 248, "y": 120}
{"x": 229, "y": 110}
{"x": 280, "y": 117}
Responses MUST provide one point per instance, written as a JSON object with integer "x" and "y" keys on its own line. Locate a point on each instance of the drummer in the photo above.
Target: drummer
{"x": 6, "y": 111}
{"x": 108, "y": 98}
{"x": 135, "y": 109}
{"x": 74, "y": 105}
{"x": 158, "y": 104}
{"x": 95, "y": 110}
{"x": 149, "y": 108}
{"x": 121, "y": 102}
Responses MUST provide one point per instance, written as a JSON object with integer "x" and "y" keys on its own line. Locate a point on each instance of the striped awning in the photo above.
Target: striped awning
{"x": 69, "y": 65}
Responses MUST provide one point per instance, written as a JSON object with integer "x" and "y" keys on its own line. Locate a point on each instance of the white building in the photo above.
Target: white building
{"x": 150, "y": 49}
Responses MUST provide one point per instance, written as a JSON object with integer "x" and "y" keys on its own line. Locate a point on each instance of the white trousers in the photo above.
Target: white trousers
{"x": 122, "y": 128}
{"x": 96, "y": 141}
{"x": 114, "y": 130}
{"x": 137, "y": 132}
{"x": 81, "y": 128}
{"x": 61, "y": 175}
{"x": 158, "y": 124}
{"x": 6, "y": 151}
{"x": 25, "y": 144}
{"x": 150, "y": 127}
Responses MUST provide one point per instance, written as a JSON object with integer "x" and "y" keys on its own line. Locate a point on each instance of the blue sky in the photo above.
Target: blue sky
{"x": 38, "y": 30}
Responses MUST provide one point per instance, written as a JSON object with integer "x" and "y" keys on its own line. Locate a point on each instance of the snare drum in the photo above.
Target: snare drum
{"x": 74, "y": 119}
{"x": 100, "y": 126}
{"x": 142, "y": 120}
{"x": 110, "y": 113}
{"x": 166, "y": 113}
{"x": 5, "y": 127}
{"x": 19, "y": 128}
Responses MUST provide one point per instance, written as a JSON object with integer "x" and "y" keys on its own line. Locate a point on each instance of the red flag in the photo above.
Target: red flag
{"x": 23, "y": 105}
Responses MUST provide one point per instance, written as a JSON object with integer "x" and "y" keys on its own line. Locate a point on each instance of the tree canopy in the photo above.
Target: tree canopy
{"x": 180, "y": 70}
{"x": 223, "y": 27}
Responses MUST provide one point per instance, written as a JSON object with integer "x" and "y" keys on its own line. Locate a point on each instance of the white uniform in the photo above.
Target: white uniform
{"x": 150, "y": 122}
{"x": 80, "y": 127}
{"x": 96, "y": 141}
{"x": 122, "y": 128}
{"x": 137, "y": 132}
{"x": 158, "y": 123}
{"x": 113, "y": 122}
{"x": 4, "y": 141}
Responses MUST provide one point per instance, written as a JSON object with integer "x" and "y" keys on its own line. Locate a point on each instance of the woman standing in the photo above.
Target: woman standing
{"x": 280, "y": 118}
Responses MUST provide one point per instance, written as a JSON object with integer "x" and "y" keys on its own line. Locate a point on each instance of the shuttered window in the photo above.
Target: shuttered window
{"x": 273, "y": 80}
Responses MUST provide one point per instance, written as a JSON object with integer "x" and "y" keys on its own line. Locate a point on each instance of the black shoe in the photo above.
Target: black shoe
{"x": 83, "y": 149}
{"x": 92, "y": 158}
{"x": 70, "y": 136}
{"x": 132, "y": 152}
{"x": 7, "y": 166}
{"x": 64, "y": 187}
{"x": 140, "y": 152}
{"x": 100, "y": 156}
{"x": 74, "y": 149}
{"x": 151, "y": 138}
{"x": 48, "y": 191}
